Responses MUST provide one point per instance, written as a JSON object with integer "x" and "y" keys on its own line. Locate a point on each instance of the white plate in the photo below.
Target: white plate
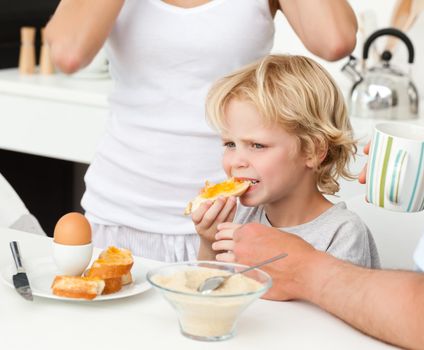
{"x": 41, "y": 273}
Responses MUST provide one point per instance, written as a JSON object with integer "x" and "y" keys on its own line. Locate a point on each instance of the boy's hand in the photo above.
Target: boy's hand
{"x": 210, "y": 214}
{"x": 225, "y": 242}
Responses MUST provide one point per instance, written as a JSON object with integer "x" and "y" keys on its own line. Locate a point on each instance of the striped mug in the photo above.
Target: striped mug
{"x": 395, "y": 175}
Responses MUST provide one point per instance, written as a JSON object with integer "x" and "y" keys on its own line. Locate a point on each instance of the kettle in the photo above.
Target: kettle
{"x": 382, "y": 92}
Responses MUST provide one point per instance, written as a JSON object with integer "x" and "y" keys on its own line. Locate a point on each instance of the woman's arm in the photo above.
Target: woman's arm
{"x": 327, "y": 28}
{"x": 78, "y": 29}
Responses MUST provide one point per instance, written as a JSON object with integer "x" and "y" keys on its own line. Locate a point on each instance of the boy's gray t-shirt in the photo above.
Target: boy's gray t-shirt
{"x": 337, "y": 231}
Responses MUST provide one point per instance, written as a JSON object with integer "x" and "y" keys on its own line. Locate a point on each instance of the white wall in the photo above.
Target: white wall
{"x": 286, "y": 40}
{"x": 395, "y": 246}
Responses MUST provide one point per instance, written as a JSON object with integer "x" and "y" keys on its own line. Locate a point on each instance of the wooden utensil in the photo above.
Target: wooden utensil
{"x": 27, "y": 51}
{"x": 46, "y": 63}
{"x": 404, "y": 16}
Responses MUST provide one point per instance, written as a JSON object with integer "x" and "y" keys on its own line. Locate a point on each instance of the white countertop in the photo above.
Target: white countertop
{"x": 54, "y": 116}
{"x": 56, "y": 87}
{"x": 147, "y": 321}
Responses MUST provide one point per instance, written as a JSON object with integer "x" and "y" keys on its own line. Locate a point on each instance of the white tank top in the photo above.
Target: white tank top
{"x": 158, "y": 149}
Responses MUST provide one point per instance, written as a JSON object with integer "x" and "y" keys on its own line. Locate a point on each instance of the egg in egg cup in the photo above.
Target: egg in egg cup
{"x": 72, "y": 246}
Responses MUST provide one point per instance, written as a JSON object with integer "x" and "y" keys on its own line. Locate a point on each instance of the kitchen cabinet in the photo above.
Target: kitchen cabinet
{"x": 54, "y": 116}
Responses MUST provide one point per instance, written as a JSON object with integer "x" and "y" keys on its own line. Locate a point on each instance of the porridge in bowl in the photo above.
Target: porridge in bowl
{"x": 212, "y": 316}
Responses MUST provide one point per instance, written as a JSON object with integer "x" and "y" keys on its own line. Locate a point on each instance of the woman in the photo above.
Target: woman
{"x": 164, "y": 55}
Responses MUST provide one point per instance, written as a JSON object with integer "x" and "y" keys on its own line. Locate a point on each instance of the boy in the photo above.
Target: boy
{"x": 284, "y": 128}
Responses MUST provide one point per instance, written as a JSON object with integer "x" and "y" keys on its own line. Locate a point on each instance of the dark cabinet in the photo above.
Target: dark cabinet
{"x": 15, "y": 14}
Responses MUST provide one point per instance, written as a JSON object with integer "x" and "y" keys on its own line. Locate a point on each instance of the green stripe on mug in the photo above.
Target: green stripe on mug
{"x": 384, "y": 170}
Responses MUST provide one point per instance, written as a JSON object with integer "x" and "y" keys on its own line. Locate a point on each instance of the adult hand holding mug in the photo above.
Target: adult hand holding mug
{"x": 395, "y": 178}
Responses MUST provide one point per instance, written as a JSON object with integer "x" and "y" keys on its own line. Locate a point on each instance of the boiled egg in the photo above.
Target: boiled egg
{"x": 72, "y": 229}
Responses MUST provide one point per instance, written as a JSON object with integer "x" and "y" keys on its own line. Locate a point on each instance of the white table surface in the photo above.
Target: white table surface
{"x": 147, "y": 321}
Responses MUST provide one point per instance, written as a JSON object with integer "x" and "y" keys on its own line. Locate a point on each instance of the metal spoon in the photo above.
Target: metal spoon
{"x": 215, "y": 282}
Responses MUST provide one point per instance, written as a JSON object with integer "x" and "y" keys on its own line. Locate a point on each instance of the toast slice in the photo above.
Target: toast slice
{"x": 126, "y": 279}
{"x": 112, "y": 263}
{"x": 112, "y": 285}
{"x": 77, "y": 287}
{"x": 115, "y": 284}
{"x": 228, "y": 188}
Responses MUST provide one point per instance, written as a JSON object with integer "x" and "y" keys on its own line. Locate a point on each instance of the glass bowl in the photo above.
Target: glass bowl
{"x": 208, "y": 317}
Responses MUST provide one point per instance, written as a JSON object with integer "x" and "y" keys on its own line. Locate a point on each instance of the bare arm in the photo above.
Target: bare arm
{"x": 205, "y": 251}
{"x": 388, "y": 305}
{"x": 327, "y": 28}
{"x": 78, "y": 29}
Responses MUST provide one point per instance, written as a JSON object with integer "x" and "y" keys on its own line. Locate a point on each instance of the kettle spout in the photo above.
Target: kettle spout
{"x": 350, "y": 70}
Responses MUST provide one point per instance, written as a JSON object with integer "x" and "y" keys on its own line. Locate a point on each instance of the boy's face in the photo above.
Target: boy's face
{"x": 266, "y": 155}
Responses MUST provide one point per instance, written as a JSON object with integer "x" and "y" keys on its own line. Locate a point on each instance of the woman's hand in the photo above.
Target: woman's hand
{"x": 224, "y": 241}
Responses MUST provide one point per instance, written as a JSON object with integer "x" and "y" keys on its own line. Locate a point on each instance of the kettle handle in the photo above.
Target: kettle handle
{"x": 392, "y": 32}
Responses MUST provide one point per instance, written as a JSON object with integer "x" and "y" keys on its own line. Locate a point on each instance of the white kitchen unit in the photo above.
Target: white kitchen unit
{"x": 55, "y": 116}
{"x": 64, "y": 117}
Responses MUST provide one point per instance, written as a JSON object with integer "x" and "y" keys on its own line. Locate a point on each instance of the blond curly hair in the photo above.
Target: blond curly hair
{"x": 298, "y": 94}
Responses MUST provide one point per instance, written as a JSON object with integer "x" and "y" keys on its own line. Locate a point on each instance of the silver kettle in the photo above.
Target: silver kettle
{"x": 382, "y": 91}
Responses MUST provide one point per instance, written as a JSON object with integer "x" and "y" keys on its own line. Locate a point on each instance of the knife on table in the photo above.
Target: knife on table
{"x": 20, "y": 280}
